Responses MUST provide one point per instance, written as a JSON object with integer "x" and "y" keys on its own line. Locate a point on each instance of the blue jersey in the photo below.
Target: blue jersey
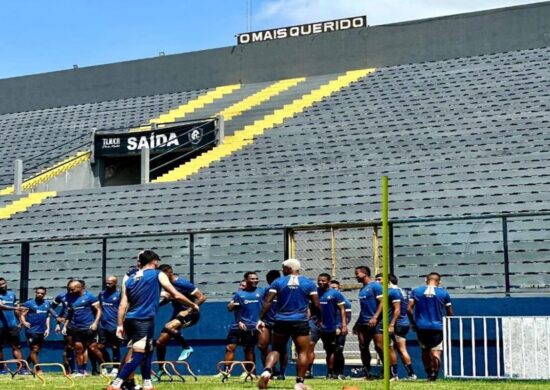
{"x": 110, "y": 301}
{"x": 7, "y": 317}
{"x": 397, "y": 295}
{"x": 37, "y": 315}
{"x": 331, "y": 301}
{"x": 368, "y": 301}
{"x": 81, "y": 310}
{"x": 269, "y": 317}
{"x": 61, "y": 299}
{"x": 293, "y": 292}
{"x": 347, "y": 305}
{"x": 186, "y": 288}
{"x": 248, "y": 305}
{"x": 429, "y": 304}
{"x": 143, "y": 293}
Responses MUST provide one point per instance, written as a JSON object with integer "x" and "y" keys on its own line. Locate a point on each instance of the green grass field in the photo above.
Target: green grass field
{"x": 210, "y": 383}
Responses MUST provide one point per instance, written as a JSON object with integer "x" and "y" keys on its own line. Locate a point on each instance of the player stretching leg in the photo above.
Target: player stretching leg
{"x": 425, "y": 311}
{"x": 181, "y": 318}
{"x": 136, "y": 316}
{"x": 294, "y": 293}
{"x": 68, "y": 350}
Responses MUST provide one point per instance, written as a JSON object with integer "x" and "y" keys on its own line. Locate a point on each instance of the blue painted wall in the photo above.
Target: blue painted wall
{"x": 208, "y": 336}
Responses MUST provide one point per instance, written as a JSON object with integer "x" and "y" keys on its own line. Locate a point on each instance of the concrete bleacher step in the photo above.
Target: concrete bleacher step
{"x": 24, "y": 203}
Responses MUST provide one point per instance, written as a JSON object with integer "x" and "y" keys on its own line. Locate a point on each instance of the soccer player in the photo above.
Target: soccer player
{"x": 332, "y": 303}
{"x": 425, "y": 312}
{"x": 294, "y": 293}
{"x": 339, "y": 360}
{"x": 109, "y": 300}
{"x": 10, "y": 322}
{"x": 140, "y": 299}
{"x": 247, "y": 304}
{"x": 368, "y": 327}
{"x": 181, "y": 318}
{"x": 68, "y": 350}
{"x": 36, "y": 320}
{"x": 83, "y": 319}
{"x": 398, "y": 329}
{"x": 264, "y": 338}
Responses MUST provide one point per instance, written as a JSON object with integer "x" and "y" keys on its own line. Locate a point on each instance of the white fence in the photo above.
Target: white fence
{"x": 497, "y": 347}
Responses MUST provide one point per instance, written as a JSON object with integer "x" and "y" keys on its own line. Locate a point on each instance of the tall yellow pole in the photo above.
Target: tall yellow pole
{"x": 385, "y": 273}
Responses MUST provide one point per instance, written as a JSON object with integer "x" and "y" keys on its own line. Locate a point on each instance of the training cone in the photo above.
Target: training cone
{"x": 350, "y": 388}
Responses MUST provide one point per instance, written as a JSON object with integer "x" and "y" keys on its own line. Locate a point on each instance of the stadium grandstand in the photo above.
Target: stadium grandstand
{"x": 454, "y": 110}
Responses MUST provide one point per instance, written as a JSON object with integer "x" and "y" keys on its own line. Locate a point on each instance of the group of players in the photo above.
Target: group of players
{"x": 292, "y": 307}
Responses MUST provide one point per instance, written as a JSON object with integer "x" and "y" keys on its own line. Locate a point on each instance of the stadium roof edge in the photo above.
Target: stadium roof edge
{"x": 462, "y": 35}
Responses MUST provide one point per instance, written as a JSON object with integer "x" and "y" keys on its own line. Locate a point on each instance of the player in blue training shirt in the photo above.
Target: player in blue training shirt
{"x": 109, "y": 300}
{"x": 181, "y": 317}
{"x": 10, "y": 322}
{"x": 141, "y": 291}
{"x": 36, "y": 320}
{"x": 333, "y": 308}
{"x": 294, "y": 294}
{"x": 264, "y": 338}
{"x": 399, "y": 328}
{"x": 246, "y": 304}
{"x": 368, "y": 327}
{"x": 425, "y": 311}
{"x": 84, "y": 313}
{"x": 68, "y": 350}
{"x": 339, "y": 360}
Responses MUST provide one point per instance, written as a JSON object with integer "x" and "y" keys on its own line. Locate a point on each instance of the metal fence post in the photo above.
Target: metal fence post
{"x": 192, "y": 257}
{"x": 145, "y": 155}
{"x": 506, "y": 255}
{"x": 104, "y": 260}
{"x": 18, "y": 176}
{"x": 25, "y": 270}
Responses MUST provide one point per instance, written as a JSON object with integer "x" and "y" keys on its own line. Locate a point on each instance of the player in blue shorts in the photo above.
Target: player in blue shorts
{"x": 36, "y": 320}
{"x": 109, "y": 300}
{"x": 264, "y": 338}
{"x": 425, "y": 311}
{"x": 83, "y": 320}
{"x": 141, "y": 291}
{"x": 10, "y": 322}
{"x": 368, "y": 327}
{"x": 333, "y": 307}
{"x": 247, "y": 304}
{"x": 294, "y": 294}
{"x": 339, "y": 360}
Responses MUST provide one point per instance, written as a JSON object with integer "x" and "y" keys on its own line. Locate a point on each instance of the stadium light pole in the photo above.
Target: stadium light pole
{"x": 385, "y": 277}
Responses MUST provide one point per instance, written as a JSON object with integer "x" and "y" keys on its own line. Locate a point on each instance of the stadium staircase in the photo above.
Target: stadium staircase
{"x": 246, "y": 136}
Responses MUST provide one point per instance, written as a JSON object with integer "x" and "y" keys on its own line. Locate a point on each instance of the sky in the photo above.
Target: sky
{"x": 38, "y": 36}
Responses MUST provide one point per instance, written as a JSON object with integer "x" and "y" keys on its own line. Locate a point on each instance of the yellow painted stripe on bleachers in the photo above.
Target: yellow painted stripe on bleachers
{"x": 181, "y": 111}
{"x": 245, "y": 136}
{"x": 23, "y": 204}
{"x": 50, "y": 173}
{"x": 259, "y": 97}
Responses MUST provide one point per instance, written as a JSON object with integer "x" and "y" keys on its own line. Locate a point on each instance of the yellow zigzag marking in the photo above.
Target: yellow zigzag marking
{"x": 23, "y": 204}
{"x": 259, "y": 97}
{"x": 191, "y": 106}
{"x": 50, "y": 173}
{"x": 246, "y": 136}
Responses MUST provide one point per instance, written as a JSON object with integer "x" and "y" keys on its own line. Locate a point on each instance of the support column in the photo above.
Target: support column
{"x": 18, "y": 177}
{"x": 145, "y": 156}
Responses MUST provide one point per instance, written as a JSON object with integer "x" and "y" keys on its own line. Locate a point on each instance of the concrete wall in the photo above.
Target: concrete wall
{"x": 455, "y": 36}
